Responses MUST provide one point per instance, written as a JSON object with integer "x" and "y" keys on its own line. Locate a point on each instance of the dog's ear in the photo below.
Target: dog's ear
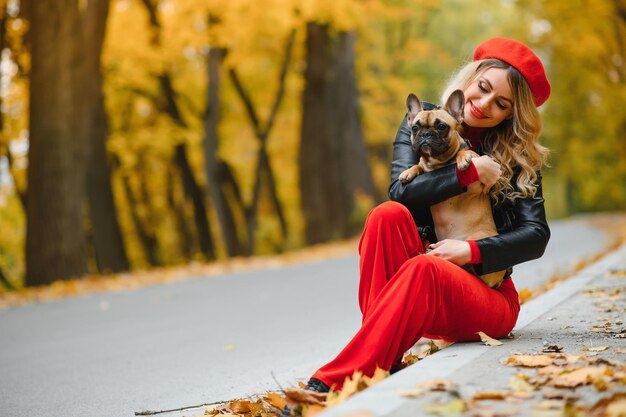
{"x": 413, "y": 106}
{"x": 455, "y": 105}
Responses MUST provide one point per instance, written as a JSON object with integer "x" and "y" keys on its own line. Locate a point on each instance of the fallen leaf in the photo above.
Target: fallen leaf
{"x": 276, "y": 400}
{"x": 256, "y": 408}
{"x": 550, "y": 393}
{"x": 413, "y": 392}
{"x": 239, "y": 406}
{"x": 601, "y": 384}
{"x": 439, "y": 344}
{"x": 489, "y": 341}
{"x": 614, "y": 406}
{"x": 595, "y": 349}
{"x": 490, "y": 395}
{"x": 304, "y": 396}
{"x": 582, "y": 376}
{"x": 351, "y": 385}
{"x": 410, "y": 358}
{"x": 379, "y": 375}
{"x": 549, "y": 405}
{"x": 312, "y": 409}
{"x": 567, "y": 359}
{"x": 436, "y": 384}
{"x": 452, "y": 408}
{"x": 522, "y": 395}
{"x": 552, "y": 349}
{"x": 519, "y": 383}
{"x": 529, "y": 361}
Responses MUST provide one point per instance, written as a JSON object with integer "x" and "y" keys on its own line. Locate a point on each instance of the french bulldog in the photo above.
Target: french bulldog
{"x": 436, "y": 139}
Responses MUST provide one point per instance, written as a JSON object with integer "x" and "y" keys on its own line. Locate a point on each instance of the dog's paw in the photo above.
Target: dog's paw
{"x": 406, "y": 176}
{"x": 464, "y": 162}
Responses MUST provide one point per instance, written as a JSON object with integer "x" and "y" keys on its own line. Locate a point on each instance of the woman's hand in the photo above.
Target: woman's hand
{"x": 489, "y": 171}
{"x": 456, "y": 251}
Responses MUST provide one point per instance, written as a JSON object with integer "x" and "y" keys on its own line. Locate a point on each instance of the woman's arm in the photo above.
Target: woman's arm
{"x": 426, "y": 189}
{"x": 526, "y": 241}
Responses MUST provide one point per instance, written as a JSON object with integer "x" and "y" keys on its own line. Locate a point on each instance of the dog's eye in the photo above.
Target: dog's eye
{"x": 415, "y": 128}
{"x": 441, "y": 126}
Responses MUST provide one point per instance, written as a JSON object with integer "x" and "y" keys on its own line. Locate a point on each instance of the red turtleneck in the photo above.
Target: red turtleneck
{"x": 473, "y": 136}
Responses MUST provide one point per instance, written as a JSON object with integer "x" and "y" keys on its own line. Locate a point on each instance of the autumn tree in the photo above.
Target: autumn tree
{"x": 106, "y": 235}
{"x": 55, "y": 240}
{"x": 586, "y": 118}
{"x": 333, "y": 163}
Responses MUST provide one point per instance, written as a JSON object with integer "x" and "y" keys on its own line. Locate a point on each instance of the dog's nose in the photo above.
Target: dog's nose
{"x": 427, "y": 135}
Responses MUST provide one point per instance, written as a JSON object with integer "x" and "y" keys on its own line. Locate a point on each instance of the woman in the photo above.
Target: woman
{"x": 405, "y": 293}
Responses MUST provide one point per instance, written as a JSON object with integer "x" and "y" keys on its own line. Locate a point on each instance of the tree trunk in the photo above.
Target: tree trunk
{"x": 107, "y": 236}
{"x": 212, "y": 164}
{"x": 194, "y": 192}
{"x": 191, "y": 187}
{"x": 177, "y": 206}
{"x": 263, "y": 168}
{"x": 316, "y": 138}
{"x": 333, "y": 161}
{"x": 55, "y": 239}
{"x": 354, "y": 167}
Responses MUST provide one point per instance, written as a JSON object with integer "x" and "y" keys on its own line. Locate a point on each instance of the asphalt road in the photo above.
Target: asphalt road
{"x": 203, "y": 340}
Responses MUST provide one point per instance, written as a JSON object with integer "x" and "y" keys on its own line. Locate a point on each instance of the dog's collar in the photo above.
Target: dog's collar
{"x": 464, "y": 145}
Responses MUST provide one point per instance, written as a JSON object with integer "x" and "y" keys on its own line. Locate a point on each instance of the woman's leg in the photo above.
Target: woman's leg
{"x": 426, "y": 296}
{"x": 389, "y": 238}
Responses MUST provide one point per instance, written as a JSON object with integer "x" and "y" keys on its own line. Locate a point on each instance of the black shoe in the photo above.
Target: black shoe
{"x": 316, "y": 385}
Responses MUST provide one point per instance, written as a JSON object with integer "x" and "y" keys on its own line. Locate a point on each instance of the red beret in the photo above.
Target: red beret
{"x": 523, "y": 59}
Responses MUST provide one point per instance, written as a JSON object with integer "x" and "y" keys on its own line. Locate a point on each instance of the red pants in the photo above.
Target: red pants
{"x": 405, "y": 294}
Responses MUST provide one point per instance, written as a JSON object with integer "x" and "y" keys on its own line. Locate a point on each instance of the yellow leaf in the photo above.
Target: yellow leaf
{"x": 530, "y": 361}
{"x": 239, "y": 406}
{"x": 452, "y": 408}
{"x": 519, "y": 384}
{"x": 276, "y": 400}
{"x": 312, "y": 409}
{"x": 616, "y": 408}
{"x": 379, "y": 375}
{"x": 489, "y": 341}
{"x": 582, "y": 376}
{"x": 351, "y": 386}
{"x": 304, "y": 396}
{"x": 550, "y": 393}
{"x": 413, "y": 392}
{"x": 595, "y": 349}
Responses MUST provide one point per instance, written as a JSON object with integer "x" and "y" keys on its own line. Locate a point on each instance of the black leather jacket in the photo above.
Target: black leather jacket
{"x": 522, "y": 226}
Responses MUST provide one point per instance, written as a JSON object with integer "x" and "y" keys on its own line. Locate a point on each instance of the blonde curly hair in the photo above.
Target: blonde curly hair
{"x": 514, "y": 142}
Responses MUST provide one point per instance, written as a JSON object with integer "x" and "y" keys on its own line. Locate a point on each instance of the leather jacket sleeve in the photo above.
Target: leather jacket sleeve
{"x": 527, "y": 238}
{"x": 426, "y": 189}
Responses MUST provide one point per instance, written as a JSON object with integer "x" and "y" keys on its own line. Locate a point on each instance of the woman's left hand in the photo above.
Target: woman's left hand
{"x": 455, "y": 251}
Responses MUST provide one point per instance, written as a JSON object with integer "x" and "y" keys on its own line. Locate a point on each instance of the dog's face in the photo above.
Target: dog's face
{"x": 435, "y": 133}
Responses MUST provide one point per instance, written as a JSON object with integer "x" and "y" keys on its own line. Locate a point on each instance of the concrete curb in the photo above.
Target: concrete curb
{"x": 384, "y": 397}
